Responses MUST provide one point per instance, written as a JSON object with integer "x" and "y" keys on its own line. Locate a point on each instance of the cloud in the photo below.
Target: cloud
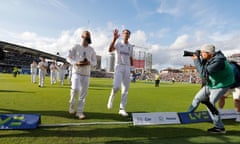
{"x": 139, "y": 38}
{"x": 57, "y": 4}
{"x": 170, "y": 7}
{"x": 181, "y": 42}
{"x": 228, "y": 43}
{"x": 168, "y": 55}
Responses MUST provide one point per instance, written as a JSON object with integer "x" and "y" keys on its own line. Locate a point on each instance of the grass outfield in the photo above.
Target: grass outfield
{"x": 18, "y": 95}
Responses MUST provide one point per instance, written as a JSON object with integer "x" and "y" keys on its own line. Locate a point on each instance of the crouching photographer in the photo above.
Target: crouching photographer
{"x": 215, "y": 69}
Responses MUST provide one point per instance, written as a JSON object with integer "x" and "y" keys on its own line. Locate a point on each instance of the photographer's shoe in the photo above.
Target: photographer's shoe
{"x": 217, "y": 130}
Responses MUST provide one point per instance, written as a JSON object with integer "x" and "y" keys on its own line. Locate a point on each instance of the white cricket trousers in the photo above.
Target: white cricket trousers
{"x": 53, "y": 77}
{"x": 121, "y": 79}
{"x": 79, "y": 88}
{"x": 41, "y": 78}
{"x": 33, "y": 77}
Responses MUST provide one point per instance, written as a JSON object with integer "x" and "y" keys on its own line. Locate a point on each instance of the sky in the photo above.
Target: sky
{"x": 164, "y": 28}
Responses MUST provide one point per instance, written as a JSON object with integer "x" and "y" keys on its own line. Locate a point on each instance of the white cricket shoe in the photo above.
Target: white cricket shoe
{"x": 80, "y": 116}
{"x": 110, "y": 102}
{"x": 71, "y": 109}
{"x": 123, "y": 113}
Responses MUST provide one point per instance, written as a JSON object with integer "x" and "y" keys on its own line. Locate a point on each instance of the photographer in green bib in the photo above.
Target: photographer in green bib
{"x": 215, "y": 69}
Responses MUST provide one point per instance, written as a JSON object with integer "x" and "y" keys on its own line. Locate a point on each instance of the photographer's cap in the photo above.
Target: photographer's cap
{"x": 208, "y": 48}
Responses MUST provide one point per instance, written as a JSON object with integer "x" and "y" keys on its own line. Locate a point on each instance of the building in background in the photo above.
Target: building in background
{"x": 99, "y": 62}
{"x": 21, "y": 57}
{"x": 110, "y": 62}
{"x": 189, "y": 68}
{"x": 142, "y": 61}
{"x": 13, "y": 55}
{"x": 235, "y": 57}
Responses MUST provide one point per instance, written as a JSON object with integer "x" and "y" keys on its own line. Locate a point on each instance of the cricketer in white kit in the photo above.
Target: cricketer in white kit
{"x": 53, "y": 72}
{"x": 42, "y": 66}
{"x": 33, "y": 69}
{"x": 81, "y": 57}
{"x": 123, "y": 65}
{"x": 62, "y": 72}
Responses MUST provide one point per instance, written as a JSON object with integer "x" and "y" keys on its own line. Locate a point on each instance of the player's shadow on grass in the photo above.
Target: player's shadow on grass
{"x": 65, "y": 114}
{"x": 101, "y": 85}
{"x": 16, "y": 91}
{"x": 107, "y": 116}
{"x": 147, "y": 134}
{"x": 65, "y": 86}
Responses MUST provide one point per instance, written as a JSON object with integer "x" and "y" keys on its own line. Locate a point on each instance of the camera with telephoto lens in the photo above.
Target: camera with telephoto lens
{"x": 189, "y": 53}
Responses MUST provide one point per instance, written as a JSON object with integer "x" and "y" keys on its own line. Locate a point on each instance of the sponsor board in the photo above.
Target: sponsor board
{"x": 155, "y": 118}
{"x": 194, "y": 117}
{"x": 228, "y": 113}
{"x": 19, "y": 121}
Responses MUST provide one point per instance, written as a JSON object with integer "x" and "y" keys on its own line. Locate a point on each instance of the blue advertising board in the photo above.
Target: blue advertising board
{"x": 194, "y": 117}
{"x": 19, "y": 121}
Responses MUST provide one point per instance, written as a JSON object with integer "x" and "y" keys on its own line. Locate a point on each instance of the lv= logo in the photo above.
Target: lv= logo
{"x": 198, "y": 115}
{"x": 12, "y": 121}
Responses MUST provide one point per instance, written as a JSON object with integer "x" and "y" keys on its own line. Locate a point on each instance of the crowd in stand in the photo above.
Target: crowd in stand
{"x": 14, "y": 58}
{"x": 183, "y": 77}
{"x": 192, "y": 77}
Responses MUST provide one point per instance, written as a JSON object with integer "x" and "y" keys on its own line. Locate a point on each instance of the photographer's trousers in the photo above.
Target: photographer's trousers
{"x": 79, "y": 89}
{"x": 211, "y": 95}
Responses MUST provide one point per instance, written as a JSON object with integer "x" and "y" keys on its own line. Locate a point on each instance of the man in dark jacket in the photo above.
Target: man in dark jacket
{"x": 214, "y": 67}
